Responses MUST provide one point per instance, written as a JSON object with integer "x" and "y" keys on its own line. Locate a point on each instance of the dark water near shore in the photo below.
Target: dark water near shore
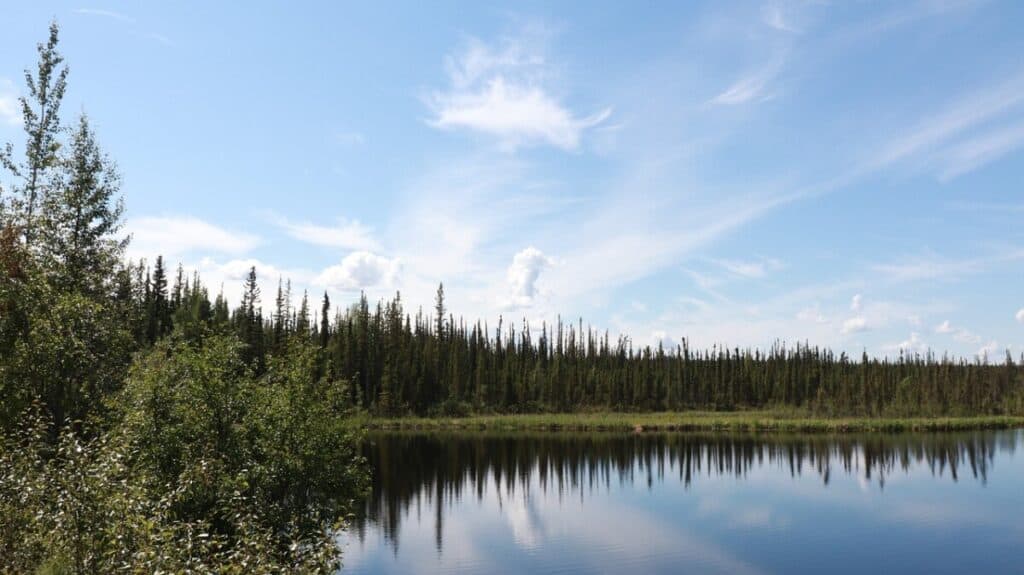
{"x": 482, "y": 502}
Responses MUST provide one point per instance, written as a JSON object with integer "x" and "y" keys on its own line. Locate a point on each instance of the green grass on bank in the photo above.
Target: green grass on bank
{"x": 692, "y": 421}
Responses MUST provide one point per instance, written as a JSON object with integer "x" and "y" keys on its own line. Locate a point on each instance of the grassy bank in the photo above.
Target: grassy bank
{"x": 694, "y": 421}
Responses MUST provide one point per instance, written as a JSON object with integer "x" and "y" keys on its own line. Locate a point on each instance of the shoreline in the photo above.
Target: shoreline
{"x": 745, "y": 421}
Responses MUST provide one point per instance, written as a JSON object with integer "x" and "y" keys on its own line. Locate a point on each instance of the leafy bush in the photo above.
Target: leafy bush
{"x": 207, "y": 469}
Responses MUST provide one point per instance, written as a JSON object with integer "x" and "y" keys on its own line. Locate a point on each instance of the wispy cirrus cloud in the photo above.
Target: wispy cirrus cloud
{"x": 752, "y": 269}
{"x": 752, "y": 86}
{"x": 931, "y": 266}
{"x": 106, "y": 14}
{"x": 180, "y": 236}
{"x": 502, "y": 91}
{"x": 965, "y": 157}
{"x": 126, "y": 19}
{"x": 346, "y": 234}
{"x": 968, "y": 134}
{"x": 776, "y": 16}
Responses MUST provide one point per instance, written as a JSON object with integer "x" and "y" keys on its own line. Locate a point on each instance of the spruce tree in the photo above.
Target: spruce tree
{"x": 302, "y": 320}
{"x": 439, "y": 312}
{"x": 325, "y": 325}
{"x": 81, "y": 216}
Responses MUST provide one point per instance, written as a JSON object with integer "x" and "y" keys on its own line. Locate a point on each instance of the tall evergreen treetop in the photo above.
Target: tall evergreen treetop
{"x": 439, "y": 311}
{"x": 82, "y": 216}
{"x": 325, "y": 321}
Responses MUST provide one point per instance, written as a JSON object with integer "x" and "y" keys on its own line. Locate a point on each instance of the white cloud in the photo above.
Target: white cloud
{"x": 750, "y": 269}
{"x": 966, "y": 336}
{"x": 501, "y": 92}
{"x": 750, "y": 87}
{"x": 1020, "y": 315}
{"x": 347, "y": 234}
{"x": 959, "y": 334}
{"x": 856, "y": 302}
{"x": 812, "y": 314}
{"x": 967, "y": 156}
{"x": 988, "y": 350}
{"x": 10, "y": 108}
{"x": 360, "y": 270}
{"x": 934, "y": 139}
{"x": 931, "y": 266}
{"x": 660, "y": 337}
{"x": 229, "y": 277}
{"x": 773, "y": 16}
{"x": 106, "y": 14}
{"x": 523, "y": 274}
{"x": 178, "y": 236}
{"x": 855, "y": 324}
{"x": 913, "y": 344}
{"x": 233, "y": 273}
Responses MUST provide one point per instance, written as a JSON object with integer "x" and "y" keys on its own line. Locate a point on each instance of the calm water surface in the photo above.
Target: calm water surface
{"x": 694, "y": 503}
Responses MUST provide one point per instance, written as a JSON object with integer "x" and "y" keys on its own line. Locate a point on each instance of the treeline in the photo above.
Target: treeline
{"x": 398, "y": 363}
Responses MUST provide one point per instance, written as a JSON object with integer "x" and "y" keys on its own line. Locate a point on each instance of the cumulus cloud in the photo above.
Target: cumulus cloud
{"x": 360, "y": 270}
{"x": 913, "y": 344}
{"x": 988, "y": 350}
{"x": 501, "y": 92}
{"x": 856, "y": 303}
{"x": 175, "y": 237}
{"x": 960, "y": 334}
{"x": 1020, "y": 315}
{"x": 855, "y": 324}
{"x": 660, "y": 337}
{"x": 523, "y": 274}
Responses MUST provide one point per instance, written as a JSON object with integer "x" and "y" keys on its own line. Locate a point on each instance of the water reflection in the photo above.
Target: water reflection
{"x": 631, "y": 500}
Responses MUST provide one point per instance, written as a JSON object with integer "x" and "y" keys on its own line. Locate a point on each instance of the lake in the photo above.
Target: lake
{"x": 489, "y": 502}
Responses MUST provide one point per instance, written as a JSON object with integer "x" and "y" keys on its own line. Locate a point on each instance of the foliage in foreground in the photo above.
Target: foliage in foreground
{"x": 209, "y": 470}
{"x": 126, "y": 445}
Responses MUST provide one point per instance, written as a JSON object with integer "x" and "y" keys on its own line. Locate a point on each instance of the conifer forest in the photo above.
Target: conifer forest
{"x": 151, "y": 425}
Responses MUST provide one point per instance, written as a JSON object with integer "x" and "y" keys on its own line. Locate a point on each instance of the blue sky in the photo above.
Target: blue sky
{"x": 844, "y": 173}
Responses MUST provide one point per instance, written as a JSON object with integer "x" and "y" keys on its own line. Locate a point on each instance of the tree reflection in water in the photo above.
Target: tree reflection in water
{"x": 413, "y": 470}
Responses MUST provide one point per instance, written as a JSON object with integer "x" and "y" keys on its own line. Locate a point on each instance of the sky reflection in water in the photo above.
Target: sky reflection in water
{"x": 701, "y": 503}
